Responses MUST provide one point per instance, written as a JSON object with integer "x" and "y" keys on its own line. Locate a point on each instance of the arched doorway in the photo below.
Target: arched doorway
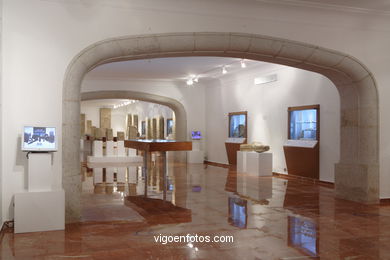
{"x": 176, "y": 106}
{"x": 357, "y": 173}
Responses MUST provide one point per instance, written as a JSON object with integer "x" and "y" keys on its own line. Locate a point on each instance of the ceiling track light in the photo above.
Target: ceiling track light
{"x": 126, "y": 103}
{"x": 224, "y": 71}
{"x": 190, "y": 82}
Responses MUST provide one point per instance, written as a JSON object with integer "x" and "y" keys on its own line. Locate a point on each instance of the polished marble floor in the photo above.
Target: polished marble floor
{"x": 268, "y": 217}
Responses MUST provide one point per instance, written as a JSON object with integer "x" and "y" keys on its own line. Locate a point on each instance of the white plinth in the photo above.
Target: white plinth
{"x": 132, "y": 152}
{"x": 97, "y": 175}
{"x": 131, "y": 160}
{"x": 97, "y": 148}
{"x": 110, "y": 148}
{"x": 259, "y": 164}
{"x": 254, "y": 188}
{"x": 39, "y": 211}
{"x": 120, "y": 148}
{"x": 195, "y": 156}
{"x": 196, "y": 145}
{"x": 39, "y": 172}
{"x": 241, "y": 161}
{"x": 121, "y": 174}
{"x": 110, "y": 175}
{"x": 132, "y": 178}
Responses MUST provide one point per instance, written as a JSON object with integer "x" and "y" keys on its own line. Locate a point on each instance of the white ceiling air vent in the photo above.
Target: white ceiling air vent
{"x": 266, "y": 79}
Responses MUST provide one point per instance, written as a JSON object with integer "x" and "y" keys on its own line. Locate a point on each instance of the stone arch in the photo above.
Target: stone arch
{"x": 357, "y": 173}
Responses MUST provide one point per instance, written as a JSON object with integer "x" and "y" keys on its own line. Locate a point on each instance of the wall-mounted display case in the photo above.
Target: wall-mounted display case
{"x": 238, "y": 124}
{"x": 303, "y": 123}
{"x": 237, "y": 133}
{"x": 302, "y": 147}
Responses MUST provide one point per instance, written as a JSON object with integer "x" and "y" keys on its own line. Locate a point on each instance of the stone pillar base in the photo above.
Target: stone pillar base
{"x": 357, "y": 182}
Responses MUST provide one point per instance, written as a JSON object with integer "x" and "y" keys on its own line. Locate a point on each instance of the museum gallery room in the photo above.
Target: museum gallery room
{"x": 204, "y": 129}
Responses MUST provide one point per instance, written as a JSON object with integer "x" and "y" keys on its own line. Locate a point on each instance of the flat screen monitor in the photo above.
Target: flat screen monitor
{"x": 38, "y": 138}
{"x": 196, "y": 135}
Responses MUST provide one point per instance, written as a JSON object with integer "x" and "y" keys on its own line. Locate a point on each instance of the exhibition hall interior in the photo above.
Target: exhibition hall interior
{"x": 214, "y": 129}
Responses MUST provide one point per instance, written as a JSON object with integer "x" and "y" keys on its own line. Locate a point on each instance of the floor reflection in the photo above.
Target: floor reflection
{"x": 238, "y": 212}
{"x": 269, "y": 218}
{"x": 302, "y": 234}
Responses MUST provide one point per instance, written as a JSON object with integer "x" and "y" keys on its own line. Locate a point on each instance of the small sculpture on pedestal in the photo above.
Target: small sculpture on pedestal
{"x": 254, "y": 146}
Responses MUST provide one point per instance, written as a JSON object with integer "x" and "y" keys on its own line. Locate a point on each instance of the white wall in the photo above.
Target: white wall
{"x": 267, "y": 112}
{"x": 40, "y": 38}
{"x": 1, "y": 113}
{"x": 119, "y": 115}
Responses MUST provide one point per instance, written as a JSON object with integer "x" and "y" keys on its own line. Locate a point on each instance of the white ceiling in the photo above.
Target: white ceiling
{"x": 179, "y": 68}
{"x": 103, "y": 102}
{"x": 362, "y": 6}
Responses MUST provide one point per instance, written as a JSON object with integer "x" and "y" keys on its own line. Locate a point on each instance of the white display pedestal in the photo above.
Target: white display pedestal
{"x": 110, "y": 175}
{"x": 97, "y": 175}
{"x": 241, "y": 161}
{"x": 40, "y": 208}
{"x": 113, "y": 155}
{"x": 121, "y": 175}
{"x": 110, "y": 148}
{"x": 39, "y": 172}
{"x": 120, "y": 148}
{"x": 253, "y": 163}
{"x": 97, "y": 148}
{"x": 254, "y": 188}
{"x": 39, "y": 211}
{"x": 196, "y": 155}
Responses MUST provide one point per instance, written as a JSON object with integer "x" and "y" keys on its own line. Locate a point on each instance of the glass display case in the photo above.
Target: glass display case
{"x": 238, "y": 124}
{"x": 303, "y": 124}
{"x": 301, "y": 150}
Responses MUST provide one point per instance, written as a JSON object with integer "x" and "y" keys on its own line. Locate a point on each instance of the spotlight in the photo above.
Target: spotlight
{"x": 224, "y": 71}
{"x": 243, "y": 64}
{"x": 196, "y": 80}
{"x": 190, "y": 82}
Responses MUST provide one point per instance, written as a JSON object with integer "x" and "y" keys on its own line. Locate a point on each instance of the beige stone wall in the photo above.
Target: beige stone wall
{"x": 149, "y": 129}
{"x": 88, "y": 129}
{"x": 105, "y": 117}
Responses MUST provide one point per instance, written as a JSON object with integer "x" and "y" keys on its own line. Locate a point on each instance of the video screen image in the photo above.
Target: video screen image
{"x": 39, "y": 138}
{"x": 196, "y": 135}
